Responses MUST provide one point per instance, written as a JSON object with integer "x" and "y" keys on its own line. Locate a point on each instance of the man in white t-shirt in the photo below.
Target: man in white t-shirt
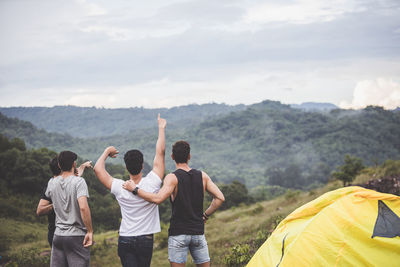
{"x": 140, "y": 219}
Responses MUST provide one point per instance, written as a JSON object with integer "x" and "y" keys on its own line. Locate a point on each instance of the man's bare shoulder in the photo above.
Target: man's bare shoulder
{"x": 205, "y": 175}
{"x": 171, "y": 174}
{"x": 171, "y": 177}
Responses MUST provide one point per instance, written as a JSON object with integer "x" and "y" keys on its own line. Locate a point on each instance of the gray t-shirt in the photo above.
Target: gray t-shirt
{"x": 64, "y": 192}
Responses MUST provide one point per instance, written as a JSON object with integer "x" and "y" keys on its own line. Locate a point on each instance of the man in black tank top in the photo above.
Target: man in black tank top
{"x": 185, "y": 187}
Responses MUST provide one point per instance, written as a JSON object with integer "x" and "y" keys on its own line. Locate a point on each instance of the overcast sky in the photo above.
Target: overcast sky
{"x": 164, "y": 53}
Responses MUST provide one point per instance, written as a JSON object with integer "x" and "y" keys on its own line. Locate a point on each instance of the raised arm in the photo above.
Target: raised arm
{"x": 218, "y": 197}
{"x": 100, "y": 167}
{"x": 44, "y": 207}
{"x": 170, "y": 182}
{"x": 87, "y": 220}
{"x": 81, "y": 169}
{"x": 159, "y": 159}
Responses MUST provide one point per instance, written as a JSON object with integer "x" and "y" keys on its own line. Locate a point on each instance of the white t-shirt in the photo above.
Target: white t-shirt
{"x": 139, "y": 217}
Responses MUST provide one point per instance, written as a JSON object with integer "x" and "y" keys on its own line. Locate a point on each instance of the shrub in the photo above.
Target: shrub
{"x": 101, "y": 248}
{"x": 264, "y": 233}
{"x": 391, "y": 168}
{"x": 4, "y": 244}
{"x": 239, "y": 255}
{"x": 261, "y": 236}
{"x": 161, "y": 239}
{"x": 28, "y": 258}
{"x": 291, "y": 195}
{"x": 258, "y": 209}
{"x": 29, "y": 237}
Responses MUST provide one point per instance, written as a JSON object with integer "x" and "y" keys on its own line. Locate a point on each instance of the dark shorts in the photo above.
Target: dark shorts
{"x": 69, "y": 251}
{"x": 50, "y": 236}
{"x": 135, "y": 251}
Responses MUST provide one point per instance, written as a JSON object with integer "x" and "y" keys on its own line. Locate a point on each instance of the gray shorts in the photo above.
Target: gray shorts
{"x": 69, "y": 251}
{"x": 179, "y": 245}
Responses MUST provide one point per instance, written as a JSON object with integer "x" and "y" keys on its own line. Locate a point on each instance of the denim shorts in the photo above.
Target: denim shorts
{"x": 179, "y": 245}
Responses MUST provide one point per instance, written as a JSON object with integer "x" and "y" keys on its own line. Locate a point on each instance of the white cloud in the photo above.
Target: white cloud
{"x": 92, "y": 9}
{"x": 135, "y": 33}
{"x": 175, "y": 52}
{"x": 243, "y": 87}
{"x": 380, "y": 92}
{"x": 90, "y": 100}
{"x": 114, "y": 33}
{"x": 301, "y": 11}
{"x": 245, "y": 83}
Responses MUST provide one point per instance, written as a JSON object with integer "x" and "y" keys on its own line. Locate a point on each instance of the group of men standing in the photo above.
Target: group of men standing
{"x": 65, "y": 201}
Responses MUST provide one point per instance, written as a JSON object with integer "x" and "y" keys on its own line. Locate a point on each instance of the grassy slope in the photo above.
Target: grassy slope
{"x": 19, "y": 234}
{"x": 238, "y": 225}
{"x": 225, "y": 229}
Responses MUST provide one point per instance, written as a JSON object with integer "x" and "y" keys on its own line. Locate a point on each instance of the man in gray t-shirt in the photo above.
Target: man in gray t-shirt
{"x": 74, "y": 233}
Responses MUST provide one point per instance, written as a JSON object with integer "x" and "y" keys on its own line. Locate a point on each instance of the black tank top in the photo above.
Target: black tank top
{"x": 187, "y": 207}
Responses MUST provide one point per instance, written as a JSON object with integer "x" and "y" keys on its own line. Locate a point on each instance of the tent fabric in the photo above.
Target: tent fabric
{"x": 337, "y": 229}
{"x": 388, "y": 223}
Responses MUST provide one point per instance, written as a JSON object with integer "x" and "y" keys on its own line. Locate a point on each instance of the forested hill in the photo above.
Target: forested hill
{"x": 95, "y": 122}
{"x": 305, "y": 146}
{"x": 254, "y": 144}
{"x": 311, "y": 106}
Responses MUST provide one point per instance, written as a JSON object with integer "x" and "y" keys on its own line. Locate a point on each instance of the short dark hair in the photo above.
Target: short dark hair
{"x": 55, "y": 169}
{"x": 66, "y": 160}
{"x": 133, "y": 161}
{"x": 181, "y": 151}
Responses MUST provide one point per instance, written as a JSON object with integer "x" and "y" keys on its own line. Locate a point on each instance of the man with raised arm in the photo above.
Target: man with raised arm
{"x": 186, "y": 188}
{"x": 74, "y": 233}
{"x": 140, "y": 219}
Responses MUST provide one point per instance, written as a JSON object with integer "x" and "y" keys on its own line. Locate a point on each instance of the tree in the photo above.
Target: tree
{"x": 275, "y": 176}
{"x": 349, "y": 170}
{"x": 235, "y": 193}
{"x": 290, "y": 177}
{"x": 319, "y": 173}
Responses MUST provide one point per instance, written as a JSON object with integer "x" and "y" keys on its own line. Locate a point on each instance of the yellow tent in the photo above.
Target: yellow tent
{"x": 350, "y": 226}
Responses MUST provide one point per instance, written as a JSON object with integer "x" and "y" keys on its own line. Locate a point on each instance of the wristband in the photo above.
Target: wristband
{"x": 205, "y": 215}
{"x": 135, "y": 191}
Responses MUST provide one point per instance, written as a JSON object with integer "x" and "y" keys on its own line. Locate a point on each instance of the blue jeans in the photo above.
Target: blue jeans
{"x": 179, "y": 245}
{"x": 135, "y": 251}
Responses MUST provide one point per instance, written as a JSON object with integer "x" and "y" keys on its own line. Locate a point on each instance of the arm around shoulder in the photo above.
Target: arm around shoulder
{"x": 166, "y": 190}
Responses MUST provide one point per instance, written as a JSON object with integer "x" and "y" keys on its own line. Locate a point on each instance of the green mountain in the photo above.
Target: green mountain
{"x": 264, "y": 140}
{"x": 95, "y": 122}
